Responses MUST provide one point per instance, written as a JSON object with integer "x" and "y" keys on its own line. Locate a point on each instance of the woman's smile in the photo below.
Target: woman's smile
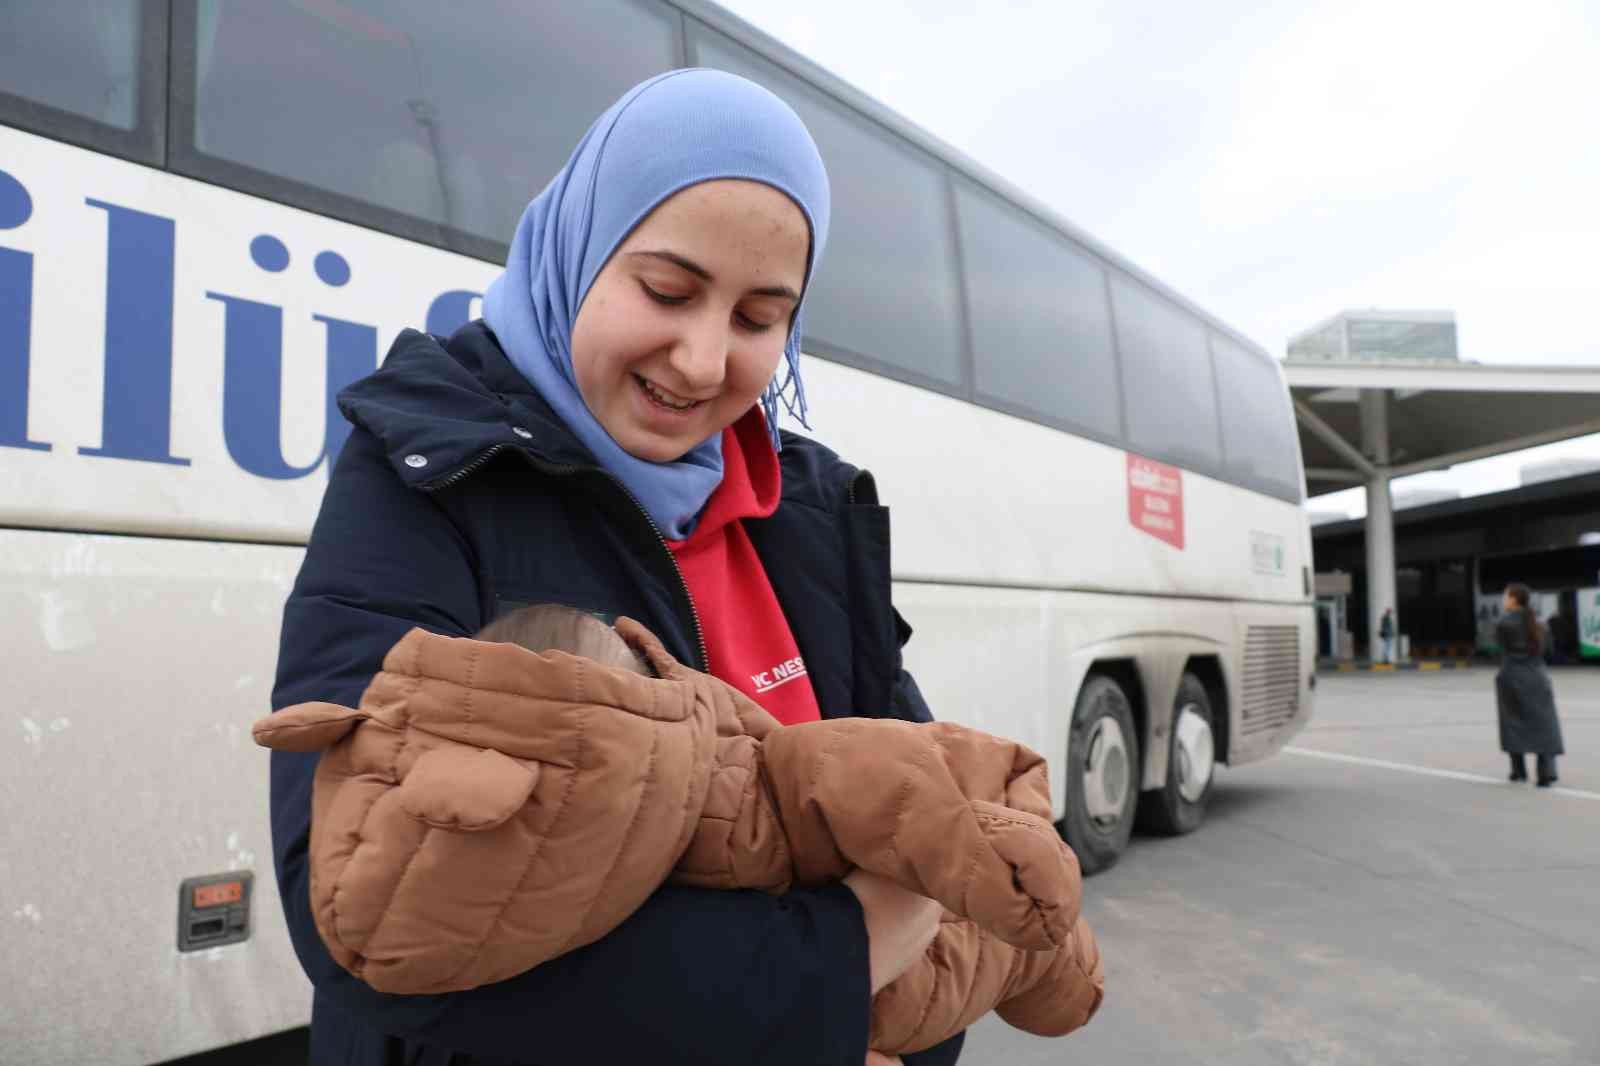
{"x": 664, "y": 398}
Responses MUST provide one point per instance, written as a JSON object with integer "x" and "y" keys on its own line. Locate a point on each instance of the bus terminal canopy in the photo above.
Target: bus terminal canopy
{"x": 1359, "y": 421}
{"x": 1368, "y": 422}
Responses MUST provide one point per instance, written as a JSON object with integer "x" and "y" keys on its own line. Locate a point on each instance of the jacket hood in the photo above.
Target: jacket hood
{"x": 503, "y": 696}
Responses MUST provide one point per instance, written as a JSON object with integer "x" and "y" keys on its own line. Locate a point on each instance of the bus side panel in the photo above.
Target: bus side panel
{"x": 983, "y": 657}
{"x": 984, "y": 498}
{"x": 133, "y": 669}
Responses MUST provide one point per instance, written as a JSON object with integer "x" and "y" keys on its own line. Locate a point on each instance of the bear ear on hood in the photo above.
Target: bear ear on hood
{"x": 306, "y": 727}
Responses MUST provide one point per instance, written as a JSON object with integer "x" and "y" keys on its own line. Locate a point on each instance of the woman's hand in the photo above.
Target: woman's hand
{"x": 876, "y": 1059}
{"x": 900, "y": 926}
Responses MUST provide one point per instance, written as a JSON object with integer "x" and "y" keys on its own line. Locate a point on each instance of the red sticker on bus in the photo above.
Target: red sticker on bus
{"x": 1155, "y": 499}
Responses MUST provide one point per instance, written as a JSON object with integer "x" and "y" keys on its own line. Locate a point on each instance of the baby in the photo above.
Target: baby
{"x": 553, "y": 627}
{"x": 966, "y": 972}
{"x": 546, "y": 796}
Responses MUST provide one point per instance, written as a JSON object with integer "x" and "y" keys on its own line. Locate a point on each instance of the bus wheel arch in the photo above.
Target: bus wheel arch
{"x": 1197, "y": 743}
{"x": 1208, "y": 668}
{"x": 1126, "y": 674}
{"x": 1104, "y": 745}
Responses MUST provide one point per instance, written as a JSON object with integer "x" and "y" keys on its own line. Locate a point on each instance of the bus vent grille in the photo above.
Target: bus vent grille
{"x": 1271, "y": 693}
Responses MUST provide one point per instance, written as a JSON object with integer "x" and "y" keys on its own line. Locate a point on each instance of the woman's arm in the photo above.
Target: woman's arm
{"x": 695, "y": 976}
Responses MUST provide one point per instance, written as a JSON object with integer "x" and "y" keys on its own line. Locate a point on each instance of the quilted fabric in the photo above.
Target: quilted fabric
{"x": 487, "y": 808}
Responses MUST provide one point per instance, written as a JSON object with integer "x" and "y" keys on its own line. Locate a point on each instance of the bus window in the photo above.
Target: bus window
{"x": 886, "y": 291}
{"x": 90, "y": 72}
{"x": 1041, "y": 328}
{"x": 1166, "y": 379}
{"x": 1258, "y": 432}
{"x": 82, "y": 58}
{"x": 410, "y": 107}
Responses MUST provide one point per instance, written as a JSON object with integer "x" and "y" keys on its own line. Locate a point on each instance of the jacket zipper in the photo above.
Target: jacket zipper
{"x": 564, "y": 469}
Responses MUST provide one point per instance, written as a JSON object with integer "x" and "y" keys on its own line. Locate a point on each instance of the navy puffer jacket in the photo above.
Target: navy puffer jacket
{"x": 460, "y": 496}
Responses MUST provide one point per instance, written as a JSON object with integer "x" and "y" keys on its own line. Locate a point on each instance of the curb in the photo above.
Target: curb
{"x": 1392, "y": 668}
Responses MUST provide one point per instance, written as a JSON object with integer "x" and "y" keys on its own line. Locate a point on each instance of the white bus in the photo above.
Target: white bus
{"x": 213, "y": 215}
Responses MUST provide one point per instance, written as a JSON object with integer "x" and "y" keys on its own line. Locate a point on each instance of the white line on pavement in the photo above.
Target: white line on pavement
{"x": 1427, "y": 771}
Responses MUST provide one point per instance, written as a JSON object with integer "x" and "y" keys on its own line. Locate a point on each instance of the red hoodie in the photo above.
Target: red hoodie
{"x": 748, "y": 642}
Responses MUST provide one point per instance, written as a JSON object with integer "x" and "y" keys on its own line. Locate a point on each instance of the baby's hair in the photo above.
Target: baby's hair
{"x": 553, "y": 627}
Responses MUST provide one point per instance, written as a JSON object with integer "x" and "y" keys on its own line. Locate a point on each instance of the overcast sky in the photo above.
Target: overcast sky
{"x": 1279, "y": 162}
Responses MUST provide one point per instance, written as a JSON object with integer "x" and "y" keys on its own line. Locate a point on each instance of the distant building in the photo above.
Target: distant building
{"x": 1374, "y": 336}
{"x": 1550, "y": 469}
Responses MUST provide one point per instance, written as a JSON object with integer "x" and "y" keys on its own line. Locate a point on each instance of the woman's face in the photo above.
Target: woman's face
{"x": 684, "y": 326}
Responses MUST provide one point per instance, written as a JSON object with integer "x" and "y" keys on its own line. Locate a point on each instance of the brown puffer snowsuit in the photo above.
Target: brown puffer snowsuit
{"x": 487, "y": 808}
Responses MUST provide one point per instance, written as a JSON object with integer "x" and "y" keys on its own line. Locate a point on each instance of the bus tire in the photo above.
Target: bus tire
{"x": 1102, "y": 769}
{"x": 1179, "y": 806}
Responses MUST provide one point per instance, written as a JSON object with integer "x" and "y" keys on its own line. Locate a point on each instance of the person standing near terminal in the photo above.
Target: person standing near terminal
{"x": 605, "y": 438}
{"x": 1526, "y": 702}
{"x": 1386, "y": 634}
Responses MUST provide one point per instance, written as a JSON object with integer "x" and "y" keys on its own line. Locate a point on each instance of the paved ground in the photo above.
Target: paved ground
{"x": 1336, "y": 911}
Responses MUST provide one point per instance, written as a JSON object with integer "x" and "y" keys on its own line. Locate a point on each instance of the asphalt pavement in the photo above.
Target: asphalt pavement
{"x": 1377, "y": 894}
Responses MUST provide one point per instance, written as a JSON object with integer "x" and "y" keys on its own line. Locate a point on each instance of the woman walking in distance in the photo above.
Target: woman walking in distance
{"x": 1527, "y": 704}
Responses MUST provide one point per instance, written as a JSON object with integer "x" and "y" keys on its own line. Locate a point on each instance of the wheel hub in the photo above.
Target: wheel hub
{"x": 1106, "y": 777}
{"x": 1195, "y": 752}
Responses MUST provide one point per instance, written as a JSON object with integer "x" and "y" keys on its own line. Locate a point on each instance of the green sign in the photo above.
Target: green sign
{"x": 1589, "y": 623}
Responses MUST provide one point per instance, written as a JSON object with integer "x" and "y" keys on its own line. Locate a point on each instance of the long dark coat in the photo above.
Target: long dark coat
{"x": 1527, "y": 705}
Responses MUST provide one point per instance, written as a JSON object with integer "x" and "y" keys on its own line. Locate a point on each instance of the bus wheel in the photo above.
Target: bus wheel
{"x": 1180, "y": 805}
{"x": 1102, "y": 764}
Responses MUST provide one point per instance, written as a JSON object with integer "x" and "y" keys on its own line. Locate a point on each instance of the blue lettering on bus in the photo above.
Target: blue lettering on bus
{"x": 332, "y": 268}
{"x": 252, "y": 372}
{"x": 252, "y": 369}
{"x": 136, "y": 415}
{"x": 352, "y": 355}
{"x": 136, "y": 420}
{"x": 450, "y": 311}
{"x": 269, "y": 253}
{"x": 16, "y": 316}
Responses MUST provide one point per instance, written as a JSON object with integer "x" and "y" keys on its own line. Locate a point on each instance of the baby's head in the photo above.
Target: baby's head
{"x": 552, "y": 627}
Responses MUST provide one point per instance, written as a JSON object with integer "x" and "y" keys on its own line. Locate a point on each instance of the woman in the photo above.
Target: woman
{"x": 605, "y": 438}
{"x": 1527, "y": 705}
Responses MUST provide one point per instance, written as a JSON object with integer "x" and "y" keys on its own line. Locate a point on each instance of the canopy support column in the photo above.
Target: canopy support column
{"x": 1381, "y": 592}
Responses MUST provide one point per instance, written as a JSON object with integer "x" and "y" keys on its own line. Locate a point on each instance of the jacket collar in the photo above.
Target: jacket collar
{"x": 441, "y": 407}
{"x": 438, "y": 409}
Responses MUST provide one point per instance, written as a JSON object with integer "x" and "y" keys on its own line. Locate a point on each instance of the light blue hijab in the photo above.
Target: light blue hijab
{"x": 673, "y": 131}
